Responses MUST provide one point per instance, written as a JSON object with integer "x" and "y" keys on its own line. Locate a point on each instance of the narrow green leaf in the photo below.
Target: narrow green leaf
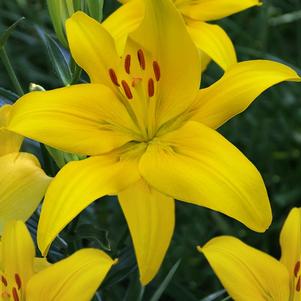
{"x": 7, "y": 96}
{"x": 95, "y": 8}
{"x": 214, "y": 296}
{"x": 7, "y": 32}
{"x": 158, "y": 293}
{"x": 57, "y": 58}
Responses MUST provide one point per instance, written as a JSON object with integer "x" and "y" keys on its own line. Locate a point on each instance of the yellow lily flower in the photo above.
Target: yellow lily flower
{"x": 23, "y": 182}
{"x": 149, "y": 132}
{"x": 212, "y": 41}
{"x": 249, "y": 274}
{"x": 74, "y": 278}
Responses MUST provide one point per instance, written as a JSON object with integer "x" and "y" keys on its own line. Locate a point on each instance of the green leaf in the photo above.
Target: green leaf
{"x": 7, "y": 32}
{"x": 7, "y": 96}
{"x": 95, "y": 8}
{"x": 58, "y": 60}
{"x": 159, "y": 292}
{"x": 215, "y": 295}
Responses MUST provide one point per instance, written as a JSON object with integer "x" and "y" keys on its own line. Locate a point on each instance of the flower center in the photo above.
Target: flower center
{"x": 136, "y": 81}
{"x": 297, "y": 276}
{"x": 11, "y": 290}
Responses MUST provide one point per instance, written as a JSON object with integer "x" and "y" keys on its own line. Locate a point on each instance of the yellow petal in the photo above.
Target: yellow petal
{"x": 85, "y": 119}
{"x": 23, "y": 185}
{"x": 290, "y": 241}
{"x": 123, "y": 21}
{"x": 237, "y": 89}
{"x": 92, "y": 47}
{"x": 163, "y": 34}
{"x": 74, "y": 278}
{"x": 214, "y": 41}
{"x": 40, "y": 263}
{"x": 205, "y": 10}
{"x": 76, "y": 186}
{"x": 246, "y": 273}
{"x": 150, "y": 216}
{"x": 197, "y": 165}
{"x": 10, "y": 142}
{"x": 18, "y": 252}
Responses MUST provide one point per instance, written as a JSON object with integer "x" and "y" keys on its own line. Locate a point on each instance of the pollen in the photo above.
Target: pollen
{"x": 127, "y": 89}
{"x": 157, "y": 71}
{"x": 4, "y": 281}
{"x": 297, "y": 268}
{"x": 141, "y": 58}
{"x": 127, "y": 64}
{"x": 151, "y": 87}
{"x": 113, "y": 77}
{"x": 298, "y": 285}
{"x": 18, "y": 281}
{"x": 15, "y": 294}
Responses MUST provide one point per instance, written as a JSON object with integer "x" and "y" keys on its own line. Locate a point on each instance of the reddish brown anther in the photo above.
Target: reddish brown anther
{"x": 4, "y": 281}
{"x": 298, "y": 285}
{"x": 18, "y": 280}
{"x": 127, "y": 64}
{"x": 151, "y": 87}
{"x": 15, "y": 294}
{"x": 297, "y": 268}
{"x": 127, "y": 89}
{"x": 113, "y": 77}
{"x": 157, "y": 71}
{"x": 141, "y": 58}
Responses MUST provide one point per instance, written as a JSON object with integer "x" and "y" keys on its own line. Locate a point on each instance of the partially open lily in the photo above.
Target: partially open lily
{"x": 24, "y": 278}
{"x": 22, "y": 181}
{"x": 212, "y": 41}
{"x": 249, "y": 274}
{"x": 149, "y": 132}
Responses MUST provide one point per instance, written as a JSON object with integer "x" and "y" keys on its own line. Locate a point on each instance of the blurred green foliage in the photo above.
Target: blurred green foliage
{"x": 269, "y": 133}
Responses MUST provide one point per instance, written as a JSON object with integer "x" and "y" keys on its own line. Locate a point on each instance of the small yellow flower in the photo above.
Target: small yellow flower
{"x": 24, "y": 277}
{"x": 149, "y": 132}
{"x": 212, "y": 41}
{"x": 22, "y": 181}
{"x": 249, "y": 274}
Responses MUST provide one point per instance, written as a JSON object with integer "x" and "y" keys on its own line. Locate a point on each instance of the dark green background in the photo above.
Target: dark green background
{"x": 269, "y": 133}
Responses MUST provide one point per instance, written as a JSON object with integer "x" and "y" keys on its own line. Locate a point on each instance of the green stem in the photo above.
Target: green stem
{"x": 9, "y": 68}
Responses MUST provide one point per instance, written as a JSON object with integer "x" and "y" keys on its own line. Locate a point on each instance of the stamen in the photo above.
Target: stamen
{"x": 4, "y": 281}
{"x": 135, "y": 81}
{"x": 127, "y": 89}
{"x": 18, "y": 281}
{"x": 157, "y": 71}
{"x": 113, "y": 77}
{"x": 15, "y": 294}
{"x": 151, "y": 87}
{"x": 297, "y": 268}
{"x": 141, "y": 59}
{"x": 298, "y": 285}
{"x": 127, "y": 64}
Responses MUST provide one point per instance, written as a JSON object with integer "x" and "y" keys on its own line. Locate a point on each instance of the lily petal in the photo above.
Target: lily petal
{"x": 74, "y": 278}
{"x": 86, "y": 119}
{"x": 23, "y": 185}
{"x": 150, "y": 216}
{"x": 237, "y": 89}
{"x": 196, "y": 164}
{"x": 214, "y": 41}
{"x": 206, "y": 10}
{"x": 83, "y": 181}
{"x": 124, "y": 20}
{"x": 92, "y": 47}
{"x": 290, "y": 241}
{"x": 10, "y": 142}
{"x": 180, "y": 66}
{"x": 246, "y": 273}
{"x": 18, "y": 252}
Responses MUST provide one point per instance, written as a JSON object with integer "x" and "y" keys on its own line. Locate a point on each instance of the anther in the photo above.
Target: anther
{"x": 18, "y": 281}
{"x": 141, "y": 58}
{"x": 4, "y": 281}
{"x": 151, "y": 87}
{"x": 113, "y": 77}
{"x": 15, "y": 294}
{"x": 298, "y": 285}
{"x": 297, "y": 268}
{"x": 127, "y": 64}
{"x": 127, "y": 89}
{"x": 157, "y": 71}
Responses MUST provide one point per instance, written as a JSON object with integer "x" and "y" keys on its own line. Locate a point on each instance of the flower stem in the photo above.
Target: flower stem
{"x": 9, "y": 68}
